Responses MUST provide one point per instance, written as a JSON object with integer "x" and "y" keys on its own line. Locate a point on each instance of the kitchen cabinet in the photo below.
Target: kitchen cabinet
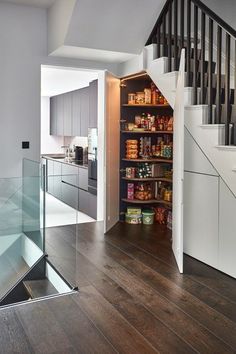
{"x": 60, "y": 114}
{"x": 70, "y": 175}
{"x": 50, "y": 172}
{"x": 53, "y": 116}
{"x": 83, "y": 202}
{"x": 92, "y": 206}
{"x": 83, "y": 178}
{"x": 69, "y": 195}
{"x": 57, "y": 179}
{"x": 54, "y": 178}
{"x": 93, "y": 104}
{"x": 67, "y": 114}
{"x": 76, "y": 98}
{"x": 70, "y": 113}
{"x": 69, "y": 184}
{"x": 84, "y": 111}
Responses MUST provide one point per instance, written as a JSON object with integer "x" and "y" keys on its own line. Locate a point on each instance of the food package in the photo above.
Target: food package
{"x": 161, "y": 215}
{"x": 143, "y": 191}
{"x": 134, "y": 211}
{"x": 130, "y": 191}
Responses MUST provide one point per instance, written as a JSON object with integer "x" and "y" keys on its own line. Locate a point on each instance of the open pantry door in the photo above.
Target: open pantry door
{"x": 178, "y": 166}
{"x": 178, "y": 159}
{"x": 112, "y": 150}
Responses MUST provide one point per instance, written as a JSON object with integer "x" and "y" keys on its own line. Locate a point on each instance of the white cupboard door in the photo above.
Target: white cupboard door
{"x": 178, "y": 167}
{"x": 112, "y": 150}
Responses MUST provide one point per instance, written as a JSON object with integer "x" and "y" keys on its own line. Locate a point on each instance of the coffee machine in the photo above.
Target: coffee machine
{"x": 79, "y": 154}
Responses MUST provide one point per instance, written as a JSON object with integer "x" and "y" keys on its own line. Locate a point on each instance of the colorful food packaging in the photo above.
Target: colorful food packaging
{"x": 130, "y": 191}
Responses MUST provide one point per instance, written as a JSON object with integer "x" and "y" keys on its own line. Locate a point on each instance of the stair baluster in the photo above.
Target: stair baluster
{"x": 227, "y": 90}
{"x": 164, "y": 35}
{"x": 175, "y": 35}
{"x": 158, "y": 37}
{"x": 203, "y": 35}
{"x": 218, "y": 72}
{"x": 182, "y": 24}
{"x": 170, "y": 36}
{"x": 195, "y": 68}
{"x": 188, "y": 52}
{"x": 210, "y": 59}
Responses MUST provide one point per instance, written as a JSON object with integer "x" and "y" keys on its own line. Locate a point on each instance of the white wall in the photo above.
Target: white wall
{"x": 23, "y": 43}
{"x": 224, "y": 9}
{"x": 49, "y": 144}
{"x": 59, "y": 16}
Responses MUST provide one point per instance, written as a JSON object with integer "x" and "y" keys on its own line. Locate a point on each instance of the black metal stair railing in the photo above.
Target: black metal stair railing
{"x": 210, "y": 45}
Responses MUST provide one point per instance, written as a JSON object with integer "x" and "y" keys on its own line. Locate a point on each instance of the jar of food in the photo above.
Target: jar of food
{"x": 131, "y": 98}
{"x": 168, "y": 195}
{"x": 147, "y": 96}
{"x": 140, "y": 97}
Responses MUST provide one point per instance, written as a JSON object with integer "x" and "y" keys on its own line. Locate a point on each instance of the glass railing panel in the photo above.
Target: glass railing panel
{"x": 61, "y": 213}
{"x": 33, "y": 202}
{"x": 21, "y": 235}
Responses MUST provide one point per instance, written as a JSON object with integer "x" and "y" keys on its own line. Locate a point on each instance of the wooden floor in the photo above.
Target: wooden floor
{"x": 131, "y": 300}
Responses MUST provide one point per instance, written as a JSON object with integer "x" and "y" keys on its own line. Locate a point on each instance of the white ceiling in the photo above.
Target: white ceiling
{"x": 37, "y": 3}
{"x": 55, "y": 81}
{"x": 121, "y": 26}
{"x": 104, "y": 56}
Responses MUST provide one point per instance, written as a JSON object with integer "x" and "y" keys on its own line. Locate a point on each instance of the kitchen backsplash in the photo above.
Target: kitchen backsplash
{"x": 76, "y": 140}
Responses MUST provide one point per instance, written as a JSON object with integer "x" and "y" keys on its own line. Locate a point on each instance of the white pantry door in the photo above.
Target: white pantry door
{"x": 178, "y": 158}
{"x": 112, "y": 150}
{"x": 178, "y": 167}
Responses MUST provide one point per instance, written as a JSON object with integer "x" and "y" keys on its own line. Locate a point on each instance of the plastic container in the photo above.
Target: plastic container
{"x": 134, "y": 219}
{"x": 148, "y": 217}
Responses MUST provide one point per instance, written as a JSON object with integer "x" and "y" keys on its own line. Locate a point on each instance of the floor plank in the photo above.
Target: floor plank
{"x": 13, "y": 338}
{"x": 124, "y": 337}
{"x": 185, "y": 326}
{"x": 132, "y": 298}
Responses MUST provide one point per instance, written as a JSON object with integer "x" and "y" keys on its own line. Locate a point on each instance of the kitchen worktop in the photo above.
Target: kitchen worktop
{"x": 61, "y": 158}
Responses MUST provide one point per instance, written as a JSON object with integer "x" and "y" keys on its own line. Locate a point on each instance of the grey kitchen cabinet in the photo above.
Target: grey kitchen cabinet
{"x": 57, "y": 166}
{"x": 70, "y": 175}
{"x": 92, "y": 206}
{"x": 76, "y": 98}
{"x": 50, "y": 175}
{"x": 93, "y": 104}
{"x": 60, "y": 114}
{"x": 70, "y": 195}
{"x": 67, "y": 114}
{"x": 70, "y": 113}
{"x": 53, "y": 116}
{"x": 54, "y": 178}
{"x": 70, "y": 182}
{"x": 84, "y": 111}
{"x": 83, "y": 202}
{"x": 83, "y": 178}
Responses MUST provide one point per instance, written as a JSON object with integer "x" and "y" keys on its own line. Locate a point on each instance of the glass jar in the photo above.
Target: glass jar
{"x": 131, "y": 98}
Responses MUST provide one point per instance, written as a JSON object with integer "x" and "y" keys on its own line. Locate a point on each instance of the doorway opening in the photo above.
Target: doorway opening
{"x": 69, "y": 144}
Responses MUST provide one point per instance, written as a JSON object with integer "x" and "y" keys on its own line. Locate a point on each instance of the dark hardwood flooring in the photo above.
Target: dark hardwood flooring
{"x": 132, "y": 298}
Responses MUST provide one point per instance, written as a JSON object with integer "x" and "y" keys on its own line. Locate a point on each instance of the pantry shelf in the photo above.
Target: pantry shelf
{"x": 149, "y": 160}
{"x": 148, "y": 179}
{"x": 147, "y": 132}
{"x": 146, "y": 105}
{"x": 151, "y": 201}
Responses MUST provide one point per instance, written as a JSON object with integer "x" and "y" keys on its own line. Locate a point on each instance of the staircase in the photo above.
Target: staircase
{"x": 210, "y": 95}
{"x": 209, "y": 45}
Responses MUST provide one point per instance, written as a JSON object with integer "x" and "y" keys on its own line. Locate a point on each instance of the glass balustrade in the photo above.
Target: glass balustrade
{"x": 21, "y": 233}
{"x": 38, "y": 219}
